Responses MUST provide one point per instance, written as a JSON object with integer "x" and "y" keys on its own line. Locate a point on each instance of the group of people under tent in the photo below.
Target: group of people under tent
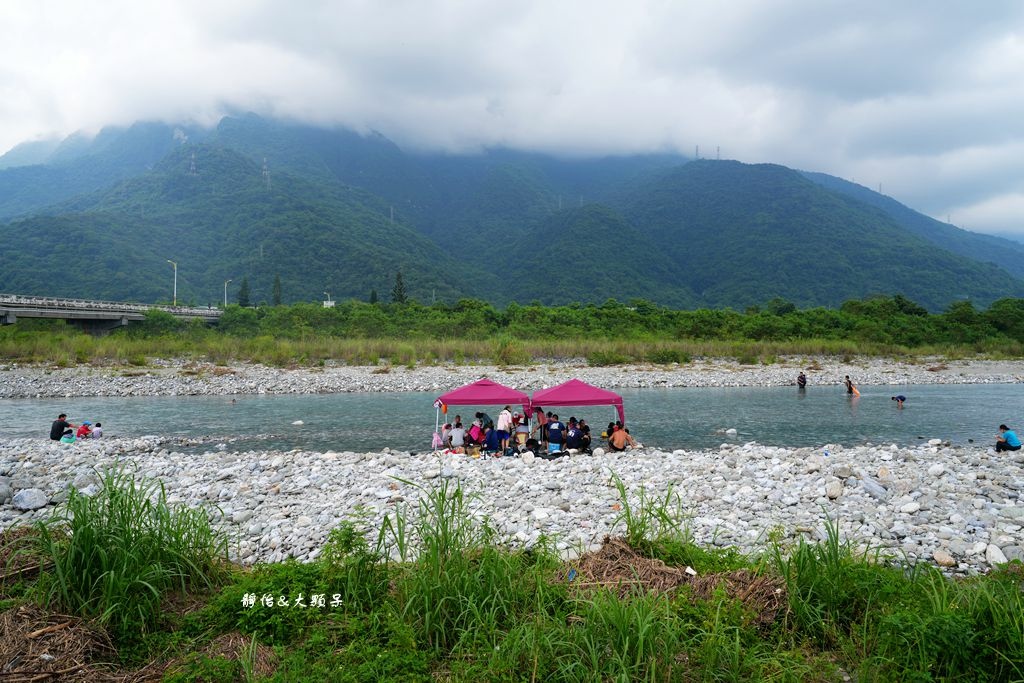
{"x": 513, "y": 433}
{"x": 63, "y": 431}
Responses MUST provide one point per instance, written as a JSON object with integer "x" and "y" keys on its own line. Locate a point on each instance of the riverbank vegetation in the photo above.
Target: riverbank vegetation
{"x": 473, "y": 331}
{"x": 433, "y": 597}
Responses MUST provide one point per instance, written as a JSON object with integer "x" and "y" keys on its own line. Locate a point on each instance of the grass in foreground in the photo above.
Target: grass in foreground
{"x": 432, "y": 597}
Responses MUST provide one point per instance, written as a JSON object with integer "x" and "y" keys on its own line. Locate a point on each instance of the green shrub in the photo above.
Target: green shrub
{"x": 508, "y": 351}
{"x": 115, "y": 554}
{"x": 666, "y": 356}
{"x": 604, "y": 358}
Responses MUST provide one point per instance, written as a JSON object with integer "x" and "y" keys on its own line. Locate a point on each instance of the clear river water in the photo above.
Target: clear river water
{"x": 690, "y": 418}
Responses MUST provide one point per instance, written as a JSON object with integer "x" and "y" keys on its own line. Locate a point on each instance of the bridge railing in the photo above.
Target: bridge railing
{"x": 18, "y": 300}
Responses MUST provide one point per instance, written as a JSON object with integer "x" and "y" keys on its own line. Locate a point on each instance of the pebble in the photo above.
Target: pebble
{"x": 959, "y": 507}
{"x": 736, "y": 497}
{"x": 178, "y": 377}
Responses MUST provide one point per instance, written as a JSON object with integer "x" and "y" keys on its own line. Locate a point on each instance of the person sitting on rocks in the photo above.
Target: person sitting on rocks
{"x": 97, "y": 430}
{"x": 476, "y": 433}
{"x": 457, "y": 438}
{"x": 574, "y": 435}
{"x": 60, "y": 427}
{"x": 492, "y": 441}
{"x": 619, "y": 439}
{"x": 84, "y": 430}
{"x": 522, "y": 433}
{"x": 1007, "y": 440}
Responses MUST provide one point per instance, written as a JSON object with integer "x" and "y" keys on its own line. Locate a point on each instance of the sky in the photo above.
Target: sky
{"x": 922, "y": 99}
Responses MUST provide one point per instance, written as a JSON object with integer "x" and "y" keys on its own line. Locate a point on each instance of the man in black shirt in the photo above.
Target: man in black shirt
{"x": 59, "y": 427}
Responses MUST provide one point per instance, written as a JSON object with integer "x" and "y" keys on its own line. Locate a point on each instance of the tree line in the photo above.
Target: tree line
{"x": 884, "y": 320}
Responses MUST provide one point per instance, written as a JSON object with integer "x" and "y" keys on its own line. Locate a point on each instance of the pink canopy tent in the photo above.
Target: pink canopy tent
{"x": 483, "y": 392}
{"x": 579, "y": 393}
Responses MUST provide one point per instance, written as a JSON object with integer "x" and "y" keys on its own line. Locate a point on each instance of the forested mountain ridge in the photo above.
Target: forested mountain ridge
{"x": 76, "y": 165}
{"x": 220, "y": 223}
{"x": 1005, "y": 253}
{"x": 748, "y": 233}
{"x": 335, "y": 211}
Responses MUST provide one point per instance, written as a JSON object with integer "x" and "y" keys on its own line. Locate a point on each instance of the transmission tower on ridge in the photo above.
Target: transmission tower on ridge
{"x": 266, "y": 173}
{"x": 192, "y": 165}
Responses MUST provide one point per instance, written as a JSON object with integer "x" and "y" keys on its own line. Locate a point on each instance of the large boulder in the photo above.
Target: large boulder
{"x": 30, "y": 499}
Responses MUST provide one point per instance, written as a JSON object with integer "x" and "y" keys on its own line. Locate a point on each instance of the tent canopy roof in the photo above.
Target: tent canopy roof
{"x": 484, "y": 392}
{"x": 578, "y": 393}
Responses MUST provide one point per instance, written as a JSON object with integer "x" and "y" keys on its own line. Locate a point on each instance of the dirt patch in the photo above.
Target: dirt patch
{"x": 233, "y": 646}
{"x": 19, "y": 558}
{"x": 619, "y": 567}
{"x": 764, "y": 596}
{"x": 36, "y": 645}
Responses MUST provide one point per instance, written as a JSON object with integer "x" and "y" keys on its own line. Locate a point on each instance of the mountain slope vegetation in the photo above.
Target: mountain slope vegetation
{"x": 342, "y": 213}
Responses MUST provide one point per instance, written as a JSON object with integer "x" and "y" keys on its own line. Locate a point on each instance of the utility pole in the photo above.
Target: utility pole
{"x": 175, "y": 281}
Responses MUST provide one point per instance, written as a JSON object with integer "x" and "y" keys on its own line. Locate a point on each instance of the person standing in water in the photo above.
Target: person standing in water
{"x": 899, "y": 400}
{"x": 849, "y": 385}
{"x": 801, "y": 381}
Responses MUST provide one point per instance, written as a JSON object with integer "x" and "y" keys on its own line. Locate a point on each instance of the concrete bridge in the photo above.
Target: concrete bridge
{"x": 93, "y": 316}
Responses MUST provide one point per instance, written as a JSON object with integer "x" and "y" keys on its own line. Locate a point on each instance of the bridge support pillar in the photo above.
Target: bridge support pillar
{"x": 98, "y": 327}
{"x": 8, "y": 318}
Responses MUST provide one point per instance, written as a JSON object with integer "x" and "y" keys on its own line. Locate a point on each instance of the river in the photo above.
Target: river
{"x": 690, "y": 418}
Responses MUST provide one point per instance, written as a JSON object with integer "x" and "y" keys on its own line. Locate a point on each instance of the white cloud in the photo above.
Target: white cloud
{"x": 924, "y": 97}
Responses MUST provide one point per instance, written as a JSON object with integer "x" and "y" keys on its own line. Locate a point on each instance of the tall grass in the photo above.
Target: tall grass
{"x": 436, "y": 598}
{"x": 66, "y": 347}
{"x": 905, "y": 623}
{"x": 116, "y": 553}
{"x": 461, "y": 588}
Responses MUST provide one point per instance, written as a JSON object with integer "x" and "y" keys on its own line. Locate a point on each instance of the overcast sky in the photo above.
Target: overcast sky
{"x": 922, "y": 98}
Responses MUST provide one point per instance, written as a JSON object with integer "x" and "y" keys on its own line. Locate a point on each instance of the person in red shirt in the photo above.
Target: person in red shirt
{"x": 84, "y": 431}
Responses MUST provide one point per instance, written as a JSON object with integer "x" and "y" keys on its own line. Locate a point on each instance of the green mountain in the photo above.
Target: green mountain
{"x": 1005, "y": 253}
{"x": 220, "y": 223}
{"x": 329, "y": 210}
{"x": 80, "y": 164}
{"x": 744, "y": 234}
{"x": 592, "y": 254}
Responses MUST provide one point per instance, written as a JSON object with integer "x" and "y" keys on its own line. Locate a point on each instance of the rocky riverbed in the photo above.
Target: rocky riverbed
{"x": 179, "y": 378}
{"x": 960, "y": 508}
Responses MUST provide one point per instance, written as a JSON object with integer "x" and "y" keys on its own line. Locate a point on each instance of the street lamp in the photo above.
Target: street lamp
{"x": 226, "y": 293}
{"x": 175, "y": 281}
